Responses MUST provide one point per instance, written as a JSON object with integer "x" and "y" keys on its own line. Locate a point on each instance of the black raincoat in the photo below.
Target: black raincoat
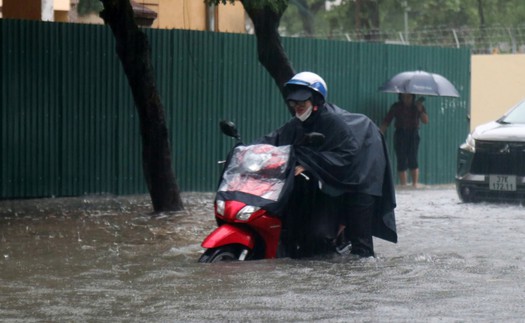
{"x": 353, "y": 158}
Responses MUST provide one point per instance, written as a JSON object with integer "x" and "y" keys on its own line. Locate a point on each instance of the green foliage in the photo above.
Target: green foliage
{"x": 419, "y": 14}
{"x": 86, "y": 7}
{"x": 292, "y": 24}
{"x": 275, "y": 5}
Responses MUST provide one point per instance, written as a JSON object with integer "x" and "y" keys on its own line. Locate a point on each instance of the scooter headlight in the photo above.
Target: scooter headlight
{"x": 219, "y": 204}
{"x": 246, "y": 212}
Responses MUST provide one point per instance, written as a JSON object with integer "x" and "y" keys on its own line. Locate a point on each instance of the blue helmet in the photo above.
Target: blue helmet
{"x": 310, "y": 80}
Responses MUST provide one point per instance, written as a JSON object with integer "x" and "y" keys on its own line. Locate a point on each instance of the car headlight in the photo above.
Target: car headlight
{"x": 220, "y": 206}
{"x": 470, "y": 144}
{"x": 246, "y": 212}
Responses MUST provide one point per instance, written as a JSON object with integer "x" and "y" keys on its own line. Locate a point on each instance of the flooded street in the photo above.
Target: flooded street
{"x": 107, "y": 259}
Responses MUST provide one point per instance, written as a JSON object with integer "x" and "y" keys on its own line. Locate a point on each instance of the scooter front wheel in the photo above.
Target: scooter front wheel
{"x": 223, "y": 253}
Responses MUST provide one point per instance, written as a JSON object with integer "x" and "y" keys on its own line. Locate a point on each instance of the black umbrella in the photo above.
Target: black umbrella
{"x": 420, "y": 82}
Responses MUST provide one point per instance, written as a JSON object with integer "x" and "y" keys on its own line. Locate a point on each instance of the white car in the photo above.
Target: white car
{"x": 491, "y": 162}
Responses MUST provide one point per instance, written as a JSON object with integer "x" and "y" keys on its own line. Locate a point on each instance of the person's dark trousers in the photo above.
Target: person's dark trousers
{"x": 359, "y": 209}
{"x": 298, "y": 216}
{"x": 310, "y": 223}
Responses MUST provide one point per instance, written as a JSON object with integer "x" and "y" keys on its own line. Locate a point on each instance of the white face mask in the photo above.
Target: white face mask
{"x": 305, "y": 115}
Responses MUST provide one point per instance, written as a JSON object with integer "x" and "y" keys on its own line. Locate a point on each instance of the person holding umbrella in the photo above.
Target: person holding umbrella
{"x": 407, "y": 113}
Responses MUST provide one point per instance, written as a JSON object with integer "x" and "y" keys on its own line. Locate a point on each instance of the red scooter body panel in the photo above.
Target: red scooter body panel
{"x": 229, "y": 234}
{"x": 269, "y": 227}
{"x": 266, "y": 226}
{"x": 231, "y": 208}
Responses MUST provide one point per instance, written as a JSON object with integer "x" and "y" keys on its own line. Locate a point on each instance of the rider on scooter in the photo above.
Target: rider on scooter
{"x": 351, "y": 167}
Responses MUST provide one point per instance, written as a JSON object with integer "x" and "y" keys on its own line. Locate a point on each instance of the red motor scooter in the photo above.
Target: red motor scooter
{"x": 249, "y": 201}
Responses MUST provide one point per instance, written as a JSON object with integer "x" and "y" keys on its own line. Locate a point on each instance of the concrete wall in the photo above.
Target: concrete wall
{"x": 171, "y": 14}
{"x": 191, "y": 14}
{"x": 178, "y": 14}
{"x": 231, "y": 18}
{"x": 498, "y": 83}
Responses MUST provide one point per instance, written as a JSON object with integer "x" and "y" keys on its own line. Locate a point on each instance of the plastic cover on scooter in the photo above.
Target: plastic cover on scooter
{"x": 258, "y": 175}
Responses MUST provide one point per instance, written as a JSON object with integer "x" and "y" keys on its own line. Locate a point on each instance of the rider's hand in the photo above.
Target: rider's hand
{"x": 299, "y": 169}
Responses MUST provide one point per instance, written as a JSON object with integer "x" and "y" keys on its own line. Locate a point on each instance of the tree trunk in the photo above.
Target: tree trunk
{"x": 269, "y": 48}
{"x": 134, "y": 52}
{"x": 307, "y": 17}
{"x": 482, "y": 27}
{"x": 372, "y": 13}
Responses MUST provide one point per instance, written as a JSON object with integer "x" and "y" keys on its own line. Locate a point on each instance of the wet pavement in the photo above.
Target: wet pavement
{"x": 104, "y": 258}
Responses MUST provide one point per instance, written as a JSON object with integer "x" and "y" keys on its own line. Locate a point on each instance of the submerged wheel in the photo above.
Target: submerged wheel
{"x": 224, "y": 253}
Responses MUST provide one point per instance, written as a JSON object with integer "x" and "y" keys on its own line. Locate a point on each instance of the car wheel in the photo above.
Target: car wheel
{"x": 465, "y": 194}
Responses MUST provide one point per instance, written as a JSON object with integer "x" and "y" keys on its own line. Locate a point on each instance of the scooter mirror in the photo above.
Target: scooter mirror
{"x": 228, "y": 128}
{"x": 314, "y": 139}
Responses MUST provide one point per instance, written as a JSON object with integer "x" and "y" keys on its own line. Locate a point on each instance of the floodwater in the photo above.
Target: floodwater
{"x": 103, "y": 258}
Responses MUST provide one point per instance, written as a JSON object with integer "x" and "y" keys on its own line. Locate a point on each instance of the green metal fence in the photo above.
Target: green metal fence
{"x": 69, "y": 126}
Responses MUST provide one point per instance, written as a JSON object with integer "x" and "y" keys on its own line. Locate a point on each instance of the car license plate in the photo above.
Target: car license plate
{"x": 502, "y": 182}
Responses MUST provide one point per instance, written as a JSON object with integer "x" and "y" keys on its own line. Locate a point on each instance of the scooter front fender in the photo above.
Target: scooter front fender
{"x": 229, "y": 234}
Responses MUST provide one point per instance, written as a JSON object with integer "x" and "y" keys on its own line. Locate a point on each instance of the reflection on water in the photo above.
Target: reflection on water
{"x": 107, "y": 259}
